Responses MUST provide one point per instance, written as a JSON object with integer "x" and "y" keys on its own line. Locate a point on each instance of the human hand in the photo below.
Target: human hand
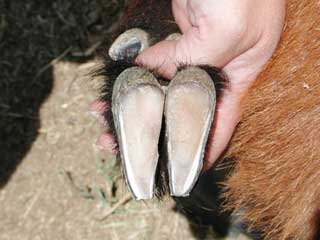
{"x": 238, "y": 36}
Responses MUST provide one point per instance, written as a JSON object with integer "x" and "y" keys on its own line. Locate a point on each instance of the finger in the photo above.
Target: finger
{"x": 160, "y": 58}
{"x": 242, "y": 72}
{"x": 97, "y": 109}
{"x": 228, "y": 110}
{"x": 166, "y": 56}
{"x": 179, "y": 8}
{"x": 195, "y": 47}
{"x": 106, "y": 142}
{"x": 227, "y": 117}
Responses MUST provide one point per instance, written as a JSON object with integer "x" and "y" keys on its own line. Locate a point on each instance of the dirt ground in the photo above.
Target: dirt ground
{"x": 54, "y": 182}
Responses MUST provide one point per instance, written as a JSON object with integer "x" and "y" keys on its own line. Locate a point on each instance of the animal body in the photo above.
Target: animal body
{"x": 272, "y": 183}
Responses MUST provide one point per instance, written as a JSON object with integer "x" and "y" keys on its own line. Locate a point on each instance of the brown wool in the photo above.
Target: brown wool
{"x": 275, "y": 185}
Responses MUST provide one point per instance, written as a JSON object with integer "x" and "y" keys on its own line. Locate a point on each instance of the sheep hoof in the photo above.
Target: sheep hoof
{"x": 189, "y": 112}
{"x": 137, "y": 106}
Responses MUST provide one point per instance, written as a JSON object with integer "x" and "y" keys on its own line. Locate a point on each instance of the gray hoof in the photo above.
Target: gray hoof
{"x": 189, "y": 112}
{"x": 137, "y": 106}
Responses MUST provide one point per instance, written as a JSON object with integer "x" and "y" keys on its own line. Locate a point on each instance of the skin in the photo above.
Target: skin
{"x": 238, "y": 36}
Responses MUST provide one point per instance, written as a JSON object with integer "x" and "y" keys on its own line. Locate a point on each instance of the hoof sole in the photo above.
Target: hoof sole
{"x": 189, "y": 111}
{"x": 138, "y": 109}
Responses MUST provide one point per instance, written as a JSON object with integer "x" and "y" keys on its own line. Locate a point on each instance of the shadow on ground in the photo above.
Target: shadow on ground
{"x": 33, "y": 36}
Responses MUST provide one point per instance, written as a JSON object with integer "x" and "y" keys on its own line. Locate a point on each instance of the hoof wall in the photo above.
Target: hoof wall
{"x": 138, "y": 110}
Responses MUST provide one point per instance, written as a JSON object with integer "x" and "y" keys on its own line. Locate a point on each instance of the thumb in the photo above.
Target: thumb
{"x": 160, "y": 58}
{"x": 166, "y": 56}
{"x": 195, "y": 47}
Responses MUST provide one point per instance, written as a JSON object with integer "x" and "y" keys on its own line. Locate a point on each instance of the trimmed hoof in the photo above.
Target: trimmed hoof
{"x": 137, "y": 106}
{"x": 189, "y": 112}
{"x": 129, "y": 44}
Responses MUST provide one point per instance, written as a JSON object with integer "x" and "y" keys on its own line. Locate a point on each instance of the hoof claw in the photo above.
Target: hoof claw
{"x": 189, "y": 112}
{"x": 137, "y": 106}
